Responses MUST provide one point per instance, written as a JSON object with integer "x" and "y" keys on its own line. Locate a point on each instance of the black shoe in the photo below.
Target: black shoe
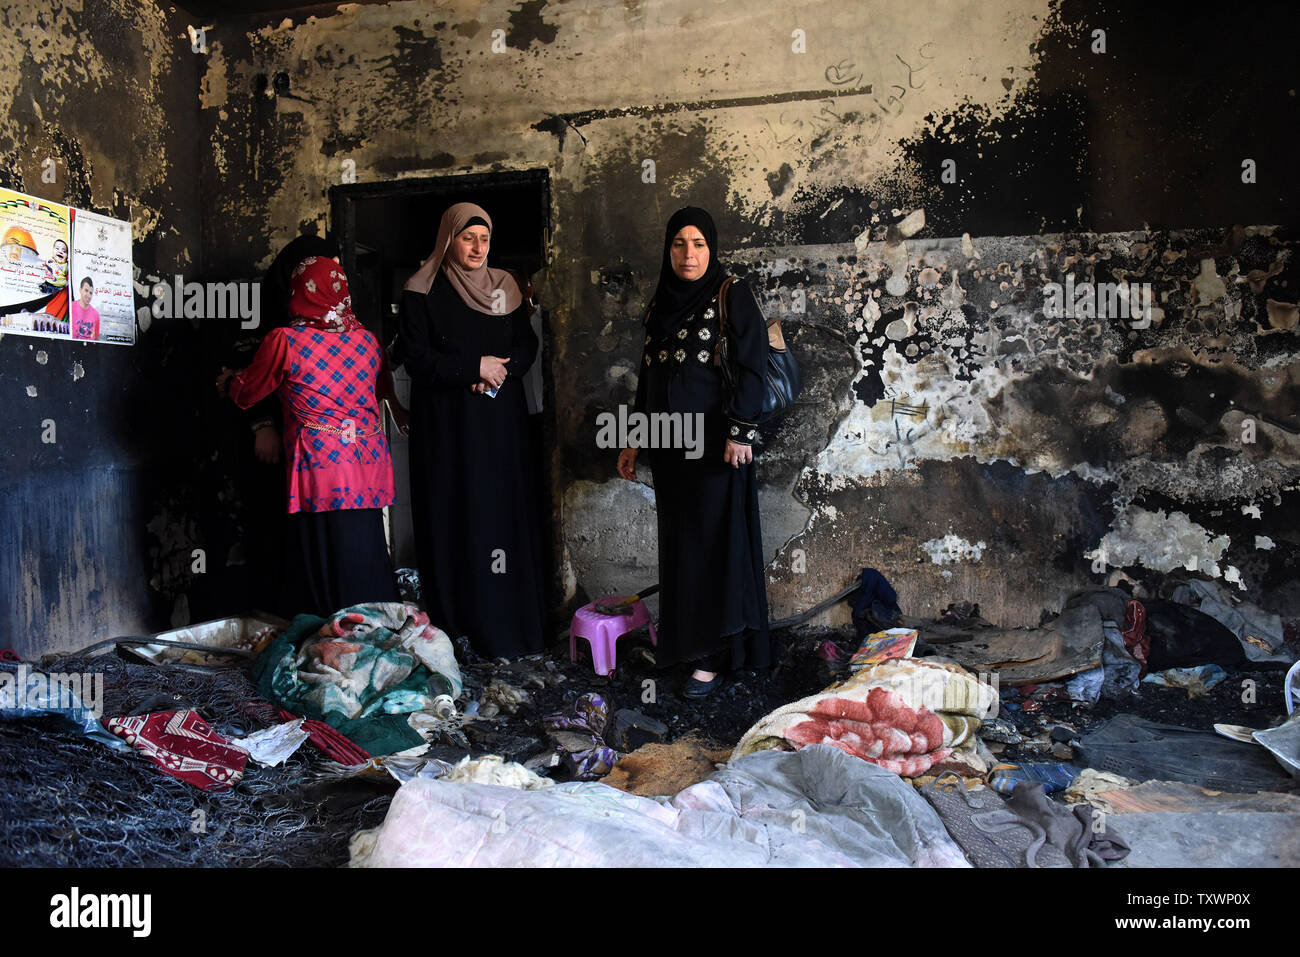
{"x": 695, "y": 688}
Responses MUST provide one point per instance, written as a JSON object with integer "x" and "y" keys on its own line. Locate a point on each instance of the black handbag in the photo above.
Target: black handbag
{"x": 782, "y": 380}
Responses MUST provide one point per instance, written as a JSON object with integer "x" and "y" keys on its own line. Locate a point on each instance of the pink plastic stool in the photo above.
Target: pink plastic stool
{"x": 604, "y": 631}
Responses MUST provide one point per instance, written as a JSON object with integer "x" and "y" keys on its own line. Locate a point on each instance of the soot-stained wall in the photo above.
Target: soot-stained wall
{"x": 902, "y": 185}
{"x": 107, "y": 91}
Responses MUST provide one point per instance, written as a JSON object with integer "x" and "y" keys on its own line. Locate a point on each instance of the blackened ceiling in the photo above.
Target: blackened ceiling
{"x": 258, "y": 11}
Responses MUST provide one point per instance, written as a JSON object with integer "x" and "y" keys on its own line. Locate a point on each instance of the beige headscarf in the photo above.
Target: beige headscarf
{"x": 476, "y": 286}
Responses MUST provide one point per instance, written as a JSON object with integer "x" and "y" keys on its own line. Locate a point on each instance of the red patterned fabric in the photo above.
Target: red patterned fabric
{"x": 320, "y": 297}
{"x": 328, "y": 739}
{"x": 182, "y": 744}
{"x": 1136, "y": 639}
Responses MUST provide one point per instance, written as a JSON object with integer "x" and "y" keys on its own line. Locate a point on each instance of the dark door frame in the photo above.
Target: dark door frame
{"x": 343, "y": 199}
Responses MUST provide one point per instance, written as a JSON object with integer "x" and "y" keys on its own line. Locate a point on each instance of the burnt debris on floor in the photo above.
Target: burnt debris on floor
{"x": 1117, "y": 728}
{"x": 72, "y": 801}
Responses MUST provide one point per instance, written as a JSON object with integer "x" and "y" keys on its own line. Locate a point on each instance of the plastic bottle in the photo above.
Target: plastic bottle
{"x": 440, "y": 685}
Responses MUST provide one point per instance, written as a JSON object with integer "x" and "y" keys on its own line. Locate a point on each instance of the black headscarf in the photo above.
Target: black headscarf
{"x": 277, "y": 283}
{"x": 675, "y": 299}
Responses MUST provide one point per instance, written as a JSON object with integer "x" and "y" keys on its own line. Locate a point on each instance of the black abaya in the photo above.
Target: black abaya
{"x": 474, "y": 474}
{"x": 713, "y": 598}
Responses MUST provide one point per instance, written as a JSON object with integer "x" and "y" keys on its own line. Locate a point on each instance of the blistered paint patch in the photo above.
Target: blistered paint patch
{"x": 31, "y": 391}
{"x": 213, "y": 85}
{"x": 42, "y": 357}
{"x": 1208, "y": 285}
{"x": 951, "y": 548}
{"x": 930, "y": 413}
{"x": 1162, "y": 542}
{"x": 1283, "y": 315}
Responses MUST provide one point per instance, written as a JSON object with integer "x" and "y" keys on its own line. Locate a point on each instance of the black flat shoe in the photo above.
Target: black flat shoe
{"x": 695, "y": 688}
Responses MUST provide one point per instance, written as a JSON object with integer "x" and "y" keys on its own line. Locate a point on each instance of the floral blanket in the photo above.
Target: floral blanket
{"x": 905, "y": 715}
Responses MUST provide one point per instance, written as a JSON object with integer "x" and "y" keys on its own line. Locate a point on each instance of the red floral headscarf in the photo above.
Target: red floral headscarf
{"x": 320, "y": 297}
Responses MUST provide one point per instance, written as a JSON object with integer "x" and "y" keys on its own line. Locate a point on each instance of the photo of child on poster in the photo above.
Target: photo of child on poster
{"x": 56, "y": 269}
{"x": 84, "y": 316}
{"x": 103, "y": 303}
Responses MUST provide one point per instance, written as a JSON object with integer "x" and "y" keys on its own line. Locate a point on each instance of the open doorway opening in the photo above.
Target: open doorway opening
{"x": 385, "y": 231}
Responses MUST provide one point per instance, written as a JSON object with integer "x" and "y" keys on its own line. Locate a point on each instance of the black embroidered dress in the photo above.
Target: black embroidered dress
{"x": 713, "y": 601}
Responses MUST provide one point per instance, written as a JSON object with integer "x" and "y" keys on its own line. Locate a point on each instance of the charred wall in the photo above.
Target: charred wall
{"x": 106, "y": 91}
{"x": 951, "y": 433}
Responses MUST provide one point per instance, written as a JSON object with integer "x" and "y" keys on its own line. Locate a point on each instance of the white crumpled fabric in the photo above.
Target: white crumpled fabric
{"x": 496, "y": 770}
{"x": 817, "y": 807}
{"x": 274, "y": 745}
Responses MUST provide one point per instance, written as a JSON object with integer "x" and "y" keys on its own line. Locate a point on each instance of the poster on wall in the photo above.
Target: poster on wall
{"x": 103, "y": 299}
{"x": 35, "y": 256}
{"x": 64, "y": 273}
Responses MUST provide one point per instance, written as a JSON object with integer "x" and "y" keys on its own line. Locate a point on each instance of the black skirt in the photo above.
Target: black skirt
{"x": 336, "y": 559}
{"x": 713, "y": 597}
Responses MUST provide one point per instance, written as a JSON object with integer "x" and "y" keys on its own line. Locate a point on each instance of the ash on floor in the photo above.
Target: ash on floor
{"x": 71, "y": 801}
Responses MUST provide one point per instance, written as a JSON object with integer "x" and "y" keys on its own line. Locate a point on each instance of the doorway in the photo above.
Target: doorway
{"x": 385, "y": 231}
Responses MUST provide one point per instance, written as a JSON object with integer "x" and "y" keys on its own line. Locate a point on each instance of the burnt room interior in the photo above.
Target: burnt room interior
{"x": 1029, "y": 517}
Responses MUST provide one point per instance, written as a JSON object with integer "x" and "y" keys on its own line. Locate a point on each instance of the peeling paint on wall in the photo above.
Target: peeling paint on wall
{"x": 940, "y": 401}
{"x": 936, "y": 385}
{"x": 106, "y": 91}
{"x": 1160, "y": 541}
{"x": 952, "y": 548}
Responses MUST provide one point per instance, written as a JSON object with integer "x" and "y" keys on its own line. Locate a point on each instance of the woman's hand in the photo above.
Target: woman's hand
{"x": 737, "y": 455}
{"x": 266, "y": 444}
{"x": 492, "y": 370}
{"x": 627, "y": 464}
{"x": 401, "y": 416}
{"x": 223, "y": 381}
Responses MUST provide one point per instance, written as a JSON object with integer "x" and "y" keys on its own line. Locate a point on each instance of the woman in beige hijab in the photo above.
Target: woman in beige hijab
{"x": 466, "y": 342}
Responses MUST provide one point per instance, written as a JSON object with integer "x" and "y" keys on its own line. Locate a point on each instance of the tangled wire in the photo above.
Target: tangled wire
{"x": 67, "y": 800}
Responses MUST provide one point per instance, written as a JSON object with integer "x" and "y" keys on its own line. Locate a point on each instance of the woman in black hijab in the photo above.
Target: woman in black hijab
{"x": 713, "y": 598}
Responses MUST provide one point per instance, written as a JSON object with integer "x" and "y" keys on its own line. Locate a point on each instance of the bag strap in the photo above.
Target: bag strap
{"x": 722, "y": 316}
